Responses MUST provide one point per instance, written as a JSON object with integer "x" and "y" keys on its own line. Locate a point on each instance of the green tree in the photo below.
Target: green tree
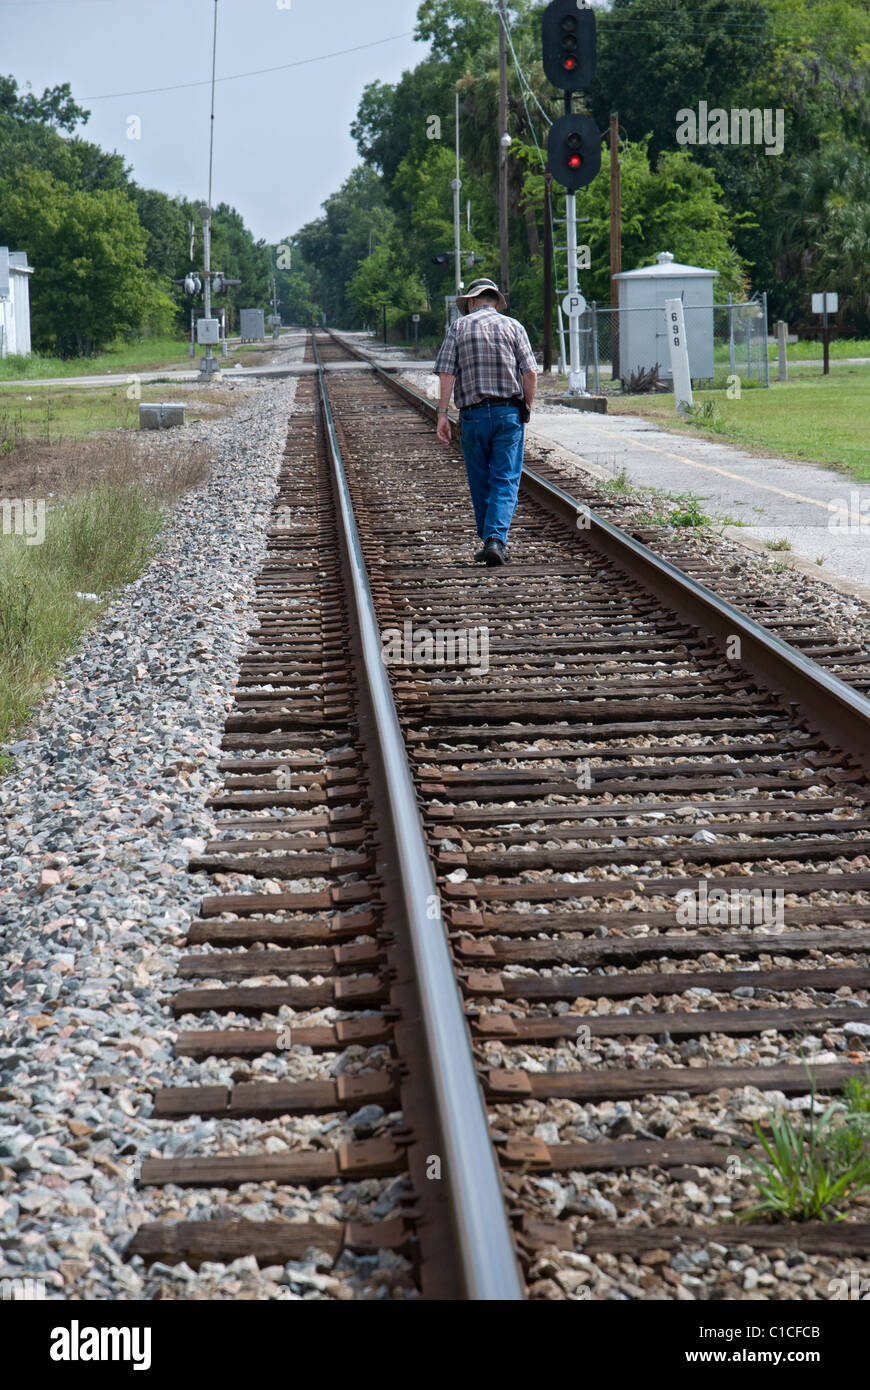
{"x": 354, "y": 221}
{"x": 656, "y": 57}
{"x": 235, "y": 252}
{"x": 675, "y": 206}
{"x": 381, "y": 279}
{"x": 88, "y": 250}
{"x": 55, "y": 107}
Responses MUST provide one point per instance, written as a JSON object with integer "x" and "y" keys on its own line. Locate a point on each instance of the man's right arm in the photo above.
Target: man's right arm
{"x": 445, "y": 370}
{"x": 444, "y": 431}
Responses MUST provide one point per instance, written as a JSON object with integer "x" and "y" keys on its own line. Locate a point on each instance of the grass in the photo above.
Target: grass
{"x": 815, "y": 419}
{"x": 142, "y": 355}
{"x": 94, "y": 543}
{"x": 620, "y": 484}
{"x": 55, "y": 413}
{"x": 813, "y": 1167}
{"x": 99, "y": 535}
{"x": 810, "y": 349}
{"x": 148, "y": 354}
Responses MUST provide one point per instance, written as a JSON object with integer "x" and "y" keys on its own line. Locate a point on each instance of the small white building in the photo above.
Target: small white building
{"x": 15, "y": 276}
{"x": 643, "y": 339}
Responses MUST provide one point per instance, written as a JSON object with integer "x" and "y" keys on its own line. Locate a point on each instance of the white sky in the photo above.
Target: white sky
{"x": 282, "y": 141}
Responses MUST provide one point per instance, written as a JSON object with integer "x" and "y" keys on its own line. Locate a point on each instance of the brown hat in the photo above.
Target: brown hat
{"x": 478, "y": 287}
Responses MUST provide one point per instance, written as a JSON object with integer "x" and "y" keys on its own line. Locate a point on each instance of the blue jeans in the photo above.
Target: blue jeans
{"x": 492, "y": 444}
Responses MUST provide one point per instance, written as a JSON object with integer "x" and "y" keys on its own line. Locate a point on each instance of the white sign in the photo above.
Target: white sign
{"x": 574, "y": 305}
{"x": 825, "y": 303}
{"x": 415, "y": 318}
{"x": 679, "y": 352}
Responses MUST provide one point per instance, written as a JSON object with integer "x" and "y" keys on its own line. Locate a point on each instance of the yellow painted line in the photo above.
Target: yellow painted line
{"x": 724, "y": 472}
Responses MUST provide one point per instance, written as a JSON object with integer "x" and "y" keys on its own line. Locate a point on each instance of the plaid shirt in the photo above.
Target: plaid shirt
{"x": 488, "y": 353}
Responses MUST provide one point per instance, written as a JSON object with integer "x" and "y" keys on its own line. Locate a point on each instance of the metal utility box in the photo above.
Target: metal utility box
{"x": 208, "y": 331}
{"x": 643, "y": 339}
{"x": 253, "y": 325}
{"x": 160, "y": 415}
{"x": 15, "y": 276}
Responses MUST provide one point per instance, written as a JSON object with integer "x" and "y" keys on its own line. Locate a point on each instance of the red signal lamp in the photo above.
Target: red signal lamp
{"x": 569, "y": 63}
{"x": 574, "y": 161}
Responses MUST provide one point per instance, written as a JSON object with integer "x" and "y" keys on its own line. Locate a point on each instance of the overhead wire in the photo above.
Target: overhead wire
{"x": 257, "y": 72}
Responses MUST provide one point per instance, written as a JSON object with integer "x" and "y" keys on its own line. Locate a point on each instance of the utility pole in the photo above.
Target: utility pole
{"x": 615, "y": 243}
{"x": 503, "y": 146}
{"x": 456, "y": 185}
{"x": 209, "y": 363}
{"x": 548, "y": 271}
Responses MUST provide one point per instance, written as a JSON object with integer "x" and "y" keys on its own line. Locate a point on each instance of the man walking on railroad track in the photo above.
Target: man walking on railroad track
{"x": 487, "y": 363}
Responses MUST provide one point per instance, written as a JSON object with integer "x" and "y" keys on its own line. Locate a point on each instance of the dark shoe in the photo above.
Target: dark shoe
{"x": 480, "y": 556}
{"x": 494, "y": 551}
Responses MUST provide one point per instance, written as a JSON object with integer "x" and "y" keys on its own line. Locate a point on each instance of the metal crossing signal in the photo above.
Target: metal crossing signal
{"x": 574, "y": 151}
{"x": 569, "y": 44}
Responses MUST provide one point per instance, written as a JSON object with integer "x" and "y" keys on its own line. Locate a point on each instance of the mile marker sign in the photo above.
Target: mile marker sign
{"x": 574, "y": 305}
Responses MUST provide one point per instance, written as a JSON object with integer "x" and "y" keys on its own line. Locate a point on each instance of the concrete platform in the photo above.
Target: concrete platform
{"x": 819, "y": 516}
{"x": 597, "y": 404}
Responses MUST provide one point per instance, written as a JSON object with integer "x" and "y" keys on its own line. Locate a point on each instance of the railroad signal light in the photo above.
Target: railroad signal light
{"x": 574, "y": 151}
{"x": 442, "y": 260}
{"x": 568, "y": 32}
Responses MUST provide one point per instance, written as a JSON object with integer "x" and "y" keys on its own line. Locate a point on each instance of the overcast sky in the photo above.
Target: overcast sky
{"x": 282, "y": 141}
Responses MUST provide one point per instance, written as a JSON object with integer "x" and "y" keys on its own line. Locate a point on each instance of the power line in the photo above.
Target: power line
{"x": 524, "y": 83}
{"x": 257, "y": 72}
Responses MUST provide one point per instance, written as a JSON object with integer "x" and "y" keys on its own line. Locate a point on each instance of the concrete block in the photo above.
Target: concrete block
{"x": 160, "y": 415}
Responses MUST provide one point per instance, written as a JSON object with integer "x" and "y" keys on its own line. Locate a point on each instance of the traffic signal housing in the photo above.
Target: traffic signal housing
{"x": 574, "y": 151}
{"x": 569, "y": 44}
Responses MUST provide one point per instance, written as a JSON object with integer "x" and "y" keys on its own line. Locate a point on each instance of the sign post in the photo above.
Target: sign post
{"x": 679, "y": 353}
{"x": 415, "y": 319}
{"x": 825, "y": 304}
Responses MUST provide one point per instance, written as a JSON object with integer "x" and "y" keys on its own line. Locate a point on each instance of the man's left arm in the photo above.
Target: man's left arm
{"x": 530, "y": 386}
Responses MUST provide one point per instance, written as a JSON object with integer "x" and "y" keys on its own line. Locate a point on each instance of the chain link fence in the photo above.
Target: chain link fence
{"x": 740, "y": 344}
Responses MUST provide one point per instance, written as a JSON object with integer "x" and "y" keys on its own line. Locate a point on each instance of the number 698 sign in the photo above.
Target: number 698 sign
{"x": 679, "y": 353}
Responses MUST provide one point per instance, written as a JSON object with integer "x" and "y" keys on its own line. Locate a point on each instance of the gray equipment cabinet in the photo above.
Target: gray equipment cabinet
{"x": 642, "y": 327}
{"x": 253, "y": 325}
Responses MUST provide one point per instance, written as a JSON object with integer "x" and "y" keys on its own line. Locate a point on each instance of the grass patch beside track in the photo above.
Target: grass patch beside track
{"x": 102, "y": 503}
{"x": 146, "y": 354}
{"x": 128, "y": 358}
{"x": 814, "y": 419}
{"x": 52, "y": 414}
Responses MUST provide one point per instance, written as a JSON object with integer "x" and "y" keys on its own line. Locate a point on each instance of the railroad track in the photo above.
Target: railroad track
{"x": 610, "y": 819}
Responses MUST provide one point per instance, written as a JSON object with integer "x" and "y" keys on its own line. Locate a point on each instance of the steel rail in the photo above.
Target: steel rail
{"x": 837, "y": 710}
{"x": 484, "y": 1240}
